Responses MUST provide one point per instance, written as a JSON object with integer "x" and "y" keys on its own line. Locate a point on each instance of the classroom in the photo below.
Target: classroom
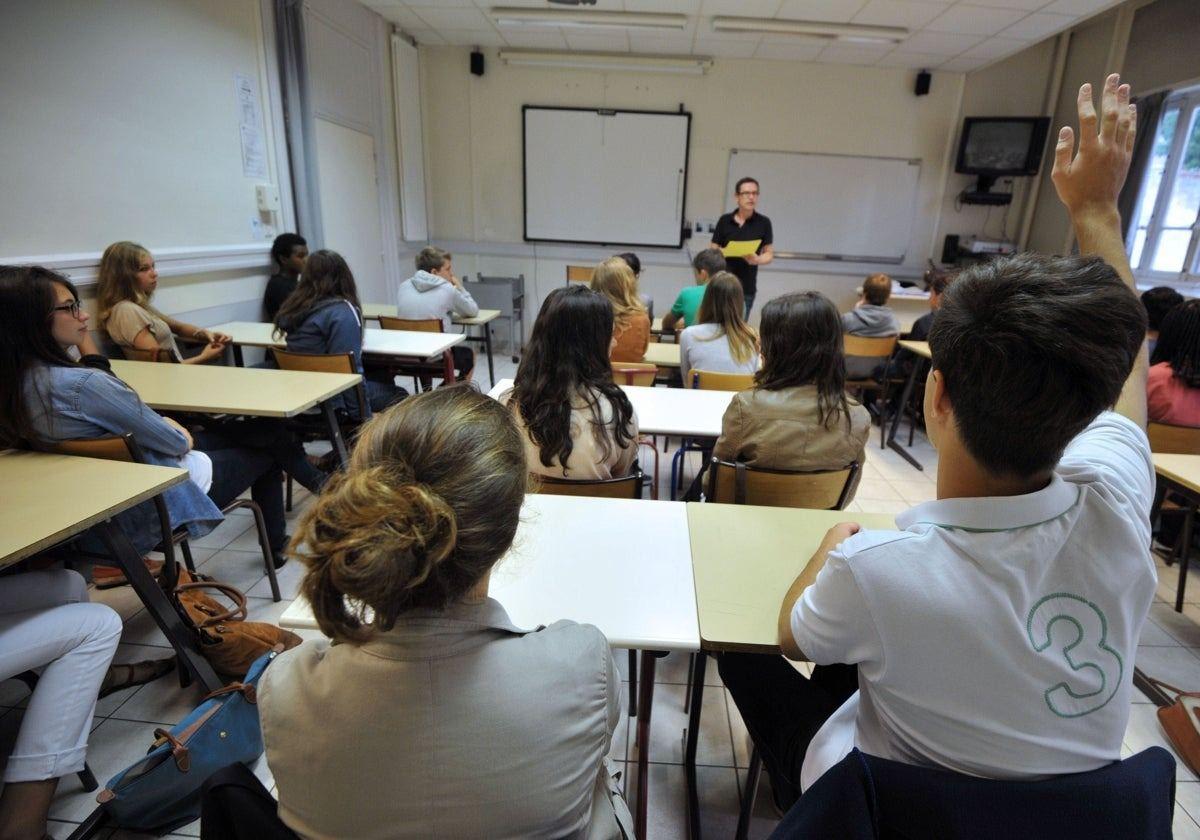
{"x": 599, "y": 418}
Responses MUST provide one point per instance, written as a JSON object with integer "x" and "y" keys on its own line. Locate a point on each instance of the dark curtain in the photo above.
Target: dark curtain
{"x": 1149, "y": 109}
{"x": 298, "y": 119}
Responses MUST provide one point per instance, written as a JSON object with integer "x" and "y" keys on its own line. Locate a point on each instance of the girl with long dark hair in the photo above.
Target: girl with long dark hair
{"x": 577, "y": 422}
{"x": 1173, "y": 384}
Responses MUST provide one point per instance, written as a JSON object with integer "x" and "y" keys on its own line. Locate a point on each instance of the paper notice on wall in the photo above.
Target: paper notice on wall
{"x": 254, "y": 147}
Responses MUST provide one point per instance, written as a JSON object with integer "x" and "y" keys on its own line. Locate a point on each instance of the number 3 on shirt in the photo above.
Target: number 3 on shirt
{"x": 1067, "y": 626}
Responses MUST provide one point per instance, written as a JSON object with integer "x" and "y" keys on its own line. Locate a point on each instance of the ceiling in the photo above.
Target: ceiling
{"x": 951, "y": 35}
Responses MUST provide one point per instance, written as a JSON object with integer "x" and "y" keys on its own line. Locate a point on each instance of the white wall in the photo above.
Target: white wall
{"x": 473, "y": 147}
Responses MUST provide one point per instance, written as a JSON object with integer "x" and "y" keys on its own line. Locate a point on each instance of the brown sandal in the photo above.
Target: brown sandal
{"x": 151, "y": 669}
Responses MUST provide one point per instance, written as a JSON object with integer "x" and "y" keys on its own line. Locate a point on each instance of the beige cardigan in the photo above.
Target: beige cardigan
{"x": 453, "y": 724}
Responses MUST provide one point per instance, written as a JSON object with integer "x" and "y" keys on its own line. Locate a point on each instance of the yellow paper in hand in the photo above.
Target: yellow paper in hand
{"x": 741, "y": 248}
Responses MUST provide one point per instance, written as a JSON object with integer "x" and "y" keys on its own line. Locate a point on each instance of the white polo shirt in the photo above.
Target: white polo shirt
{"x": 994, "y": 636}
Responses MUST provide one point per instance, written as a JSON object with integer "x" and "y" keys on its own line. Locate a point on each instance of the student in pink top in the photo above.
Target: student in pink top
{"x": 1173, "y": 384}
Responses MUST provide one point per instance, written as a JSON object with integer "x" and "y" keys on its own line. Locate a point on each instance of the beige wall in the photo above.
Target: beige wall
{"x": 1164, "y": 45}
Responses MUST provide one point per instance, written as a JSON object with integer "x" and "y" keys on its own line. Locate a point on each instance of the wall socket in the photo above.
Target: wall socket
{"x": 703, "y": 225}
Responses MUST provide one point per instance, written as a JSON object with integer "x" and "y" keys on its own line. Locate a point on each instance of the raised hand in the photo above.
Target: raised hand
{"x": 1091, "y": 178}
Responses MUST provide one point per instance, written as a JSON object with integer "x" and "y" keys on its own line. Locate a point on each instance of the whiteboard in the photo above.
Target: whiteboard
{"x": 603, "y": 176}
{"x": 834, "y": 207}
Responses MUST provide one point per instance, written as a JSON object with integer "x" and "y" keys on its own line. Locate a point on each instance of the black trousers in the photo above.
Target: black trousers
{"x": 783, "y": 710}
{"x": 234, "y": 805}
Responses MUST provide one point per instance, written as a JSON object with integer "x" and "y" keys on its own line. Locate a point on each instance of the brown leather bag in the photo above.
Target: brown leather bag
{"x": 1180, "y": 719}
{"x": 229, "y": 642}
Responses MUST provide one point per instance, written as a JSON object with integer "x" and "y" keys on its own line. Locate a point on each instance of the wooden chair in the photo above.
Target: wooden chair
{"x": 125, "y": 448}
{"x": 422, "y": 372}
{"x": 579, "y": 274}
{"x": 881, "y": 349}
{"x": 706, "y": 380}
{"x": 1167, "y": 439}
{"x": 711, "y": 380}
{"x": 739, "y": 484}
{"x": 158, "y": 354}
{"x": 626, "y": 487}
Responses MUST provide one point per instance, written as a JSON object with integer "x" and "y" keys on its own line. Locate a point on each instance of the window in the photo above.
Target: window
{"x": 1163, "y": 244}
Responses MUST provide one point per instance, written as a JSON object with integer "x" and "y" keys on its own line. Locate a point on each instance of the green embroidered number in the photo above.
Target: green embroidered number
{"x": 1078, "y": 631}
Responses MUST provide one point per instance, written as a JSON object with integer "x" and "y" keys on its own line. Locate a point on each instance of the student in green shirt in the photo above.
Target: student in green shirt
{"x": 706, "y": 263}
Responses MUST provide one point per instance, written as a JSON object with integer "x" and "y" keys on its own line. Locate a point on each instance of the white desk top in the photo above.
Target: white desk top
{"x": 217, "y": 389}
{"x": 1182, "y": 469}
{"x": 372, "y": 311}
{"x": 667, "y": 411}
{"x": 422, "y": 345}
{"x": 921, "y": 348}
{"x": 623, "y": 565}
{"x": 49, "y": 498}
{"x": 663, "y": 355}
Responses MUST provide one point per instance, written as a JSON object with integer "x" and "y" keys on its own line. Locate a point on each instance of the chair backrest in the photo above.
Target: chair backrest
{"x": 857, "y": 345}
{"x": 634, "y": 373}
{"x": 739, "y": 484}
{"x": 158, "y": 354}
{"x": 711, "y": 380}
{"x": 628, "y": 487}
{"x": 387, "y": 322}
{"x": 865, "y": 796}
{"x": 579, "y": 274}
{"x": 1167, "y": 439}
{"x": 314, "y": 362}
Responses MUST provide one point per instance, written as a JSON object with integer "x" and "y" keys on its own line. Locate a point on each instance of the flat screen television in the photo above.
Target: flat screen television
{"x": 996, "y": 147}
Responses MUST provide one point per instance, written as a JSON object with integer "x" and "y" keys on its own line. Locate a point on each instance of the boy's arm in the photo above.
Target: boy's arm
{"x": 835, "y": 536}
{"x": 1088, "y": 184}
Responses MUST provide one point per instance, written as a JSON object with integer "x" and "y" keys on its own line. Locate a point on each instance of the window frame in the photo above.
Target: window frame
{"x": 1188, "y": 103}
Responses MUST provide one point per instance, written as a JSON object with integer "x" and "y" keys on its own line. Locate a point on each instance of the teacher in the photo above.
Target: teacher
{"x": 745, "y": 225}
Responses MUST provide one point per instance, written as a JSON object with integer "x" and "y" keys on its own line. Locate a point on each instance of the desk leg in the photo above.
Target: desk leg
{"x": 487, "y": 342}
{"x": 696, "y": 700}
{"x": 1188, "y": 520}
{"x": 157, "y": 604}
{"x": 447, "y": 368}
{"x": 646, "y": 689}
{"x": 237, "y": 355}
{"x": 335, "y": 433}
{"x": 918, "y": 365}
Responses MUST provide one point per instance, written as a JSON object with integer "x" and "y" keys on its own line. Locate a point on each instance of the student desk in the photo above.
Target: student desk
{"x": 389, "y": 343}
{"x": 372, "y": 311}
{"x": 667, "y": 411}
{"x": 572, "y": 558}
{"x": 663, "y": 355}
{"x": 251, "y": 392}
{"x": 1181, "y": 473}
{"x": 61, "y": 496}
{"x": 744, "y": 559}
{"x": 920, "y": 349}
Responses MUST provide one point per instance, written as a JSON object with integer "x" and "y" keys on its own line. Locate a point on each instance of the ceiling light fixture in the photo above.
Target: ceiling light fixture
{"x": 681, "y": 65}
{"x": 855, "y": 32}
{"x": 585, "y": 19}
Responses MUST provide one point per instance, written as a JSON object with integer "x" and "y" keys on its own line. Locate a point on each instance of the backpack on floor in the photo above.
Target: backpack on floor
{"x": 162, "y": 791}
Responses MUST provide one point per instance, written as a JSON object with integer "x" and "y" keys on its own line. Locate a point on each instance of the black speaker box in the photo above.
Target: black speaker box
{"x": 923, "y": 80}
{"x": 477, "y": 63}
{"x": 950, "y": 250}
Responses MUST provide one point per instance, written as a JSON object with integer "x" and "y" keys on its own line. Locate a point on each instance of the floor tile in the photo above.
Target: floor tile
{"x": 915, "y": 492}
{"x": 666, "y": 816}
{"x": 127, "y": 653}
{"x": 224, "y": 533}
{"x": 141, "y": 629}
{"x": 669, "y": 723}
{"x": 1187, "y": 796}
{"x": 1144, "y": 731}
{"x": 113, "y": 746}
{"x": 1176, "y": 665}
{"x": 876, "y": 489}
{"x": 289, "y": 577}
{"x": 1154, "y": 635}
{"x": 242, "y": 569}
{"x": 1182, "y": 627}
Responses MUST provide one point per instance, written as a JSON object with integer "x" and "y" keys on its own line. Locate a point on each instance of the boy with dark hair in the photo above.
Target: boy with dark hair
{"x": 705, "y": 264}
{"x": 994, "y": 634}
{"x": 1158, "y": 302}
{"x": 289, "y": 251}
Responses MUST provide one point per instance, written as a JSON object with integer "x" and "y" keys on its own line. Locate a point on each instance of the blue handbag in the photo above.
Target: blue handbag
{"x": 162, "y": 791}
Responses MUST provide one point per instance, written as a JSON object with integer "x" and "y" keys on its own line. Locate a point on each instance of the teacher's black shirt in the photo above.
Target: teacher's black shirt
{"x": 757, "y": 226}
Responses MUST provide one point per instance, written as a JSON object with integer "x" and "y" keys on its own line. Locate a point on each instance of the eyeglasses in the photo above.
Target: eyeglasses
{"x": 73, "y": 307}
{"x": 748, "y": 192}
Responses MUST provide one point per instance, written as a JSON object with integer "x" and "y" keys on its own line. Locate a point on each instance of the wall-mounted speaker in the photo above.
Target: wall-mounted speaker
{"x": 923, "y": 80}
{"x": 477, "y": 63}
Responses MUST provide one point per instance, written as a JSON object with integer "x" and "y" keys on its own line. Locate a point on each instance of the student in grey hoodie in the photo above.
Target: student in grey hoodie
{"x": 434, "y": 292}
{"x": 323, "y": 315}
{"x": 871, "y": 317}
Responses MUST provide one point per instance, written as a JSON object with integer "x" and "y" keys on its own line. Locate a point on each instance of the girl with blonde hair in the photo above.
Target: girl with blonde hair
{"x": 614, "y": 279}
{"x": 127, "y": 281}
{"x": 427, "y": 677}
{"x": 720, "y": 341}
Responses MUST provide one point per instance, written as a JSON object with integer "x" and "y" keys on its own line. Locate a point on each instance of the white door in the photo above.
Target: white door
{"x": 350, "y": 205}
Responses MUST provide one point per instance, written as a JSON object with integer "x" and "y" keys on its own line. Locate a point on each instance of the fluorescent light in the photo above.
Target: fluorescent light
{"x": 685, "y": 65}
{"x": 856, "y": 32}
{"x": 586, "y": 19}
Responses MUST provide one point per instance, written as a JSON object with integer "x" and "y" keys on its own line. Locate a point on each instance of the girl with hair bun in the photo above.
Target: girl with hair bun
{"x": 431, "y": 714}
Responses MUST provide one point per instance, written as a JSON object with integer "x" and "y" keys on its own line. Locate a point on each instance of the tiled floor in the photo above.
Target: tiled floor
{"x": 1170, "y": 649}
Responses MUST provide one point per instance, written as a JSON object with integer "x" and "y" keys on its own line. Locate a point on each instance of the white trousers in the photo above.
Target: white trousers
{"x": 46, "y": 622}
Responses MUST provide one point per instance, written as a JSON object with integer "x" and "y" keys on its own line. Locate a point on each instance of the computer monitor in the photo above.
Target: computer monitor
{"x": 995, "y": 147}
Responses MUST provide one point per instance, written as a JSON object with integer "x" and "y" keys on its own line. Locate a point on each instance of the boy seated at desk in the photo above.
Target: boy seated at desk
{"x": 435, "y": 292}
{"x": 707, "y": 264}
{"x": 871, "y": 317}
{"x": 994, "y": 634}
